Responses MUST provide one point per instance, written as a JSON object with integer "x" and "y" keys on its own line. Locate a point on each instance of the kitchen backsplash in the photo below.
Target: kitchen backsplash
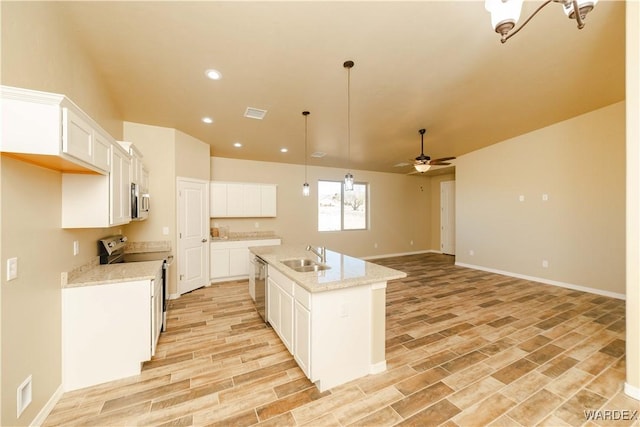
{"x": 154, "y": 246}
{"x": 244, "y": 235}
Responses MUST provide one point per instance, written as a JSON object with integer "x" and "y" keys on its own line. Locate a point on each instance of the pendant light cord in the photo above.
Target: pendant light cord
{"x": 305, "y": 113}
{"x": 349, "y": 117}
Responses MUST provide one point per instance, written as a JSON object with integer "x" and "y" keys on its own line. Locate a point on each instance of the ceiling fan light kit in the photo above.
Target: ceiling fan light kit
{"x": 423, "y": 163}
{"x": 422, "y": 167}
{"x": 505, "y": 14}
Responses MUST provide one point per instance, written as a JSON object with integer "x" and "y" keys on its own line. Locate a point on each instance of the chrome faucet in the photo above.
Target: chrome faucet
{"x": 322, "y": 253}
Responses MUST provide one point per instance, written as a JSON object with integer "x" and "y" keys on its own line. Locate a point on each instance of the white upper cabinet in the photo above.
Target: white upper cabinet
{"x": 51, "y": 131}
{"x": 90, "y": 201}
{"x": 242, "y": 200}
{"x": 268, "y": 200}
{"x": 218, "y": 199}
{"x": 139, "y": 173}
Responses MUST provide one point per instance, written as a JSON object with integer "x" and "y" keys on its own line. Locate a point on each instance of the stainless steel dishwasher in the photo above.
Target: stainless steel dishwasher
{"x": 260, "y": 275}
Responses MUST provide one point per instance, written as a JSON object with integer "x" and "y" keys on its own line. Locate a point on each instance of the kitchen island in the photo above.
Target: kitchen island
{"x": 331, "y": 320}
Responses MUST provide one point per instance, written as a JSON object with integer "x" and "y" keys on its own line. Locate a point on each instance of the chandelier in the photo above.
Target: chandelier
{"x": 505, "y": 14}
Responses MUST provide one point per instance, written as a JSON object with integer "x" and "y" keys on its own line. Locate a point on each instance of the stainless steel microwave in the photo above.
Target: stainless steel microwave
{"x": 139, "y": 203}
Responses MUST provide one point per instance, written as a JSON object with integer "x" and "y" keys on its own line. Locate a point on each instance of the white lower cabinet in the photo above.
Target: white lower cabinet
{"x": 230, "y": 259}
{"x": 109, "y": 330}
{"x": 280, "y": 313}
{"x": 156, "y": 310}
{"x": 218, "y": 262}
{"x": 302, "y": 336}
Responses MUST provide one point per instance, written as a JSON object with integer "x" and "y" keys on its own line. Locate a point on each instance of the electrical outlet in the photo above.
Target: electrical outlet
{"x": 471, "y": 252}
{"x": 256, "y": 224}
{"x": 165, "y": 231}
{"x": 545, "y": 197}
{"x": 521, "y": 198}
{"x": 375, "y": 245}
{"x": 411, "y": 243}
{"x": 76, "y": 247}
{"x": 545, "y": 263}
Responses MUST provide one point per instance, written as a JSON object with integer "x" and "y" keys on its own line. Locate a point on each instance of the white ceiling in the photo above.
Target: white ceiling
{"x": 431, "y": 64}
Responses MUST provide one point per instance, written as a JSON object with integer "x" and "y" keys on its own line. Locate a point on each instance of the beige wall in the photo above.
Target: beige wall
{"x": 633, "y": 198}
{"x": 192, "y": 157}
{"x": 30, "y": 339}
{"x": 398, "y": 207}
{"x": 168, "y": 154}
{"x": 579, "y": 164}
{"x": 39, "y": 53}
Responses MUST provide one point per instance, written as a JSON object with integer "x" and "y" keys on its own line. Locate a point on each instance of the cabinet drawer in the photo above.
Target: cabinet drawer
{"x": 303, "y": 297}
{"x": 281, "y": 280}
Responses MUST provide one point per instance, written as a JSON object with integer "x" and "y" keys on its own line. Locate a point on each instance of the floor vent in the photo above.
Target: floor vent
{"x": 255, "y": 113}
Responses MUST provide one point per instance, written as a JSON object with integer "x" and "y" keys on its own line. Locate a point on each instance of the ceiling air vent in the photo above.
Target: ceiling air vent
{"x": 255, "y": 113}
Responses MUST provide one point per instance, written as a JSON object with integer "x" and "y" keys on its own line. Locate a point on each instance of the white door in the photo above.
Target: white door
{"x": 193, "y": 234}
{"x": 448, "y": 217}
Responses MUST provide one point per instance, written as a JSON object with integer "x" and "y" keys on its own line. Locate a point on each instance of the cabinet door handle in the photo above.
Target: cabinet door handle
{"x": 204, "y": 240}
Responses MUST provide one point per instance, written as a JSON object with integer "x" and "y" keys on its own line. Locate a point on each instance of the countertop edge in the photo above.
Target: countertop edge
{"x": 380, "y": 274}
{"x": 105, "y": 274}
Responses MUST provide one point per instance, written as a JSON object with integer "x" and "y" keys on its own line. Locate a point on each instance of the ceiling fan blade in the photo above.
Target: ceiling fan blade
{"x": 441, "y": 160}
{"x": 439, "y": 164}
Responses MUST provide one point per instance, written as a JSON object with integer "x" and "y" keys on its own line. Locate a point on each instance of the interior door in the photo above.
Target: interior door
{"x": 448, "y": 217}
{"x": 193, "y": 234}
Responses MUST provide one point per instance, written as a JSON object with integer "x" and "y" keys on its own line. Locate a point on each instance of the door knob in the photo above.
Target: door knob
{"x": 204, "y": 240}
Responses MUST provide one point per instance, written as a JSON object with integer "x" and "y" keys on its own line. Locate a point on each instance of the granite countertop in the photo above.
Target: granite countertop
{"x": 115, "y": 273}
{"x": 345, "y": 271}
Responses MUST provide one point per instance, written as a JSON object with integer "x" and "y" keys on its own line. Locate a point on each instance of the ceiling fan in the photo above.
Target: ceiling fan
{"x": 423, "y": 163}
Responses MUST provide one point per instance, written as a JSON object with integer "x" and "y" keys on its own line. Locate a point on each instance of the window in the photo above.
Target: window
{"x": 342, "y": 210}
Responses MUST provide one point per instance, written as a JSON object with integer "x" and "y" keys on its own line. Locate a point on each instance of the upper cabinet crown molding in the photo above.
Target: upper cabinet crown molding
{"x": 49, "y": 130}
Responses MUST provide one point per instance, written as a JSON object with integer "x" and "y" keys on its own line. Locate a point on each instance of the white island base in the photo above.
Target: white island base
{"x": 347, "y": 334}
{"x": 332, "y": 321}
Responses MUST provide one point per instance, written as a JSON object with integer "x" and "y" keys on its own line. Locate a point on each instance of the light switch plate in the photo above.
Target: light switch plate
{"x": 12, "y": 268}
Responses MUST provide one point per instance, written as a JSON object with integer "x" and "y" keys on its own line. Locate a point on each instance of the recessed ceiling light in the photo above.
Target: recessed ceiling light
{"x": 284, "y": 150}
{"x": 237, "y": 144}
{"x": 207, "y": 120}
{"x": 213, "y": 74}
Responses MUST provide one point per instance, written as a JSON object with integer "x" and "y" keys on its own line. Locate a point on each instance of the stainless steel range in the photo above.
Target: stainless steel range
{"x": 111, "y": 250}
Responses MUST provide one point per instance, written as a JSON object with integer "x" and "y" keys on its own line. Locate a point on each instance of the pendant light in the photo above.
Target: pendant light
{"x": 305, "y": 186}
{"x": 348, "y": 178}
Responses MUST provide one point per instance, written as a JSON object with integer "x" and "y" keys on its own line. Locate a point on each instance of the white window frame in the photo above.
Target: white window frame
{"x": 342, "y": 196}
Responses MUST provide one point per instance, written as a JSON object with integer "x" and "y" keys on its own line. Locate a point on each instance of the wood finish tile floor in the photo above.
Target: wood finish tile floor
{"x": 464, "y": 348}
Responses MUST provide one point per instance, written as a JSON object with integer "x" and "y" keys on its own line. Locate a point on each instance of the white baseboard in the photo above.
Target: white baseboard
{"x": 400, "y": 254}
{"x": 545, "y": 281}
{"x": 377, "y": 368}
{"x": 48, "y": 407}
{"x": 632, "y": 391}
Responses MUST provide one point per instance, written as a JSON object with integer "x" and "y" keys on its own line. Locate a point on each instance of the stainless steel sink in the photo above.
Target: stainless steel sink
{"x": 303, "y": 265}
